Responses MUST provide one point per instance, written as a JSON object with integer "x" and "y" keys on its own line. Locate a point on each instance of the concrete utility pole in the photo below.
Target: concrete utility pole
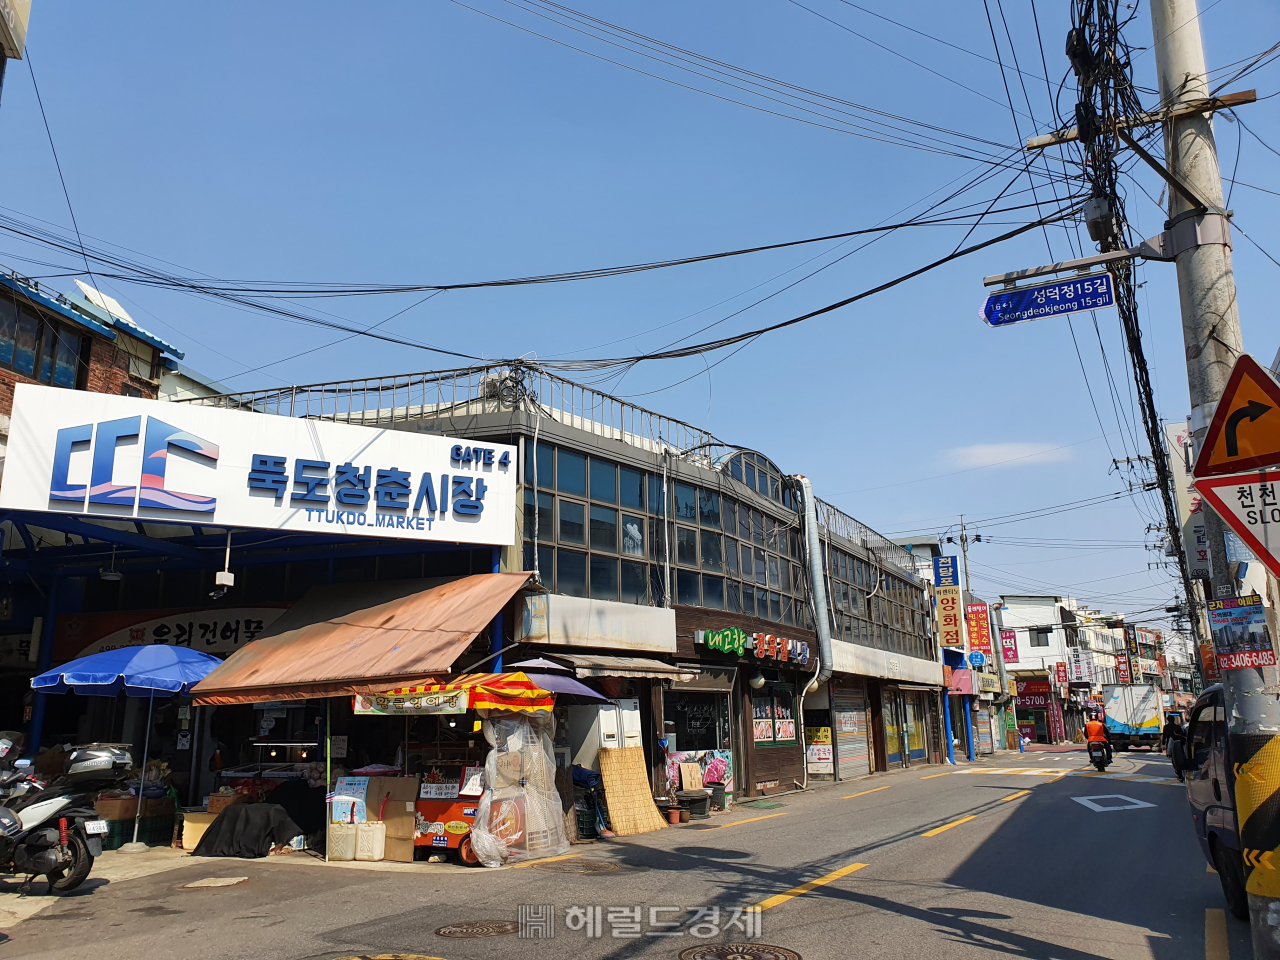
{"x": 1211, "y": 333}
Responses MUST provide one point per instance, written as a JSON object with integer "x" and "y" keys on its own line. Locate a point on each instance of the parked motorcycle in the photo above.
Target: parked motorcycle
{"x": 1098, "y": 755}
{"x": 53, "y": 830}
{"x": 16, "y": 775}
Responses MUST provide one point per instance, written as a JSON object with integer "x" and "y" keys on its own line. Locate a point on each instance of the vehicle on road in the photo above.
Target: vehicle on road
{"x": 1098, "y": 755}
{"x": 54, "y": 830}
{"x": 1134, "y": 714}
{"x": 1204, "y": 761}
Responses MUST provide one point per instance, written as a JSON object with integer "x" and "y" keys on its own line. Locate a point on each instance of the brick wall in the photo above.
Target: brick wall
{"x": 108, "y": 373}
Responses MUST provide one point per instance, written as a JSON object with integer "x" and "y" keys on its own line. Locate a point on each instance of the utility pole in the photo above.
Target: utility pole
{"x": 1211, "y": 333}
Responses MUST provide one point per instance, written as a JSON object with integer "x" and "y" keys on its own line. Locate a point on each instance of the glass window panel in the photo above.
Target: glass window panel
{"x": 687, "y": 546}
{"x": 631, "y": 488}
{"x": 604, "y": 529}
{"x": 546, "y": 522}
{"x": 632, "y": 535}
{"x": 773, "y": 571}
{"x": 735, "y": 468}
{"x": 787, "y": 616}
{"x": 784, "y": 575}
{"x": 687, "y": 588}
{"x": 571, "y": 472}
{"x": 685, "y": 503}
{"x": 762, "y": 603}
{"x": 8, "y": 329}
{"x": 775, "y": 488}
{"x": 762, "y": 482}
{"x": 546, "y": 467}
{"x": 757, "y": 527}
{"x": 797, "y": 579}
{"x": 604, "y": 481}
{"x": 635, "y": 582}
{"x": 729, "y": 517}
{"x": 731, "y": 557}
{"x": 775, "y": 607}
{"x": 65, "y": 356}
{"x": 573, "y": 527}
{"x": 711, "y": 556}
{"x": 24, "y": 358}
{"x": 748, "y": 600}
{"x": 709, "y": 508}
{"x": 46, "y": 352}
{"x": 604, "y": 577}
{"x": 657, "y": 502}
{"x": 732, "y": 598}
{"x": 759, "y": 565}
{"x": 546, "y": 559}
{"x": 751, "y": 474}
{"x": 657, "y": 541}
{"x": 713, "y": 592}
{"x": 571, "y": 573}
{"x": 770, "y": 534}
{"x": 657, "y": 591}
{"x": 744, "y": 522}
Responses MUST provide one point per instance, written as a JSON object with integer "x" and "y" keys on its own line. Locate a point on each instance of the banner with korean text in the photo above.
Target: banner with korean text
{"x": 946, "y": 590}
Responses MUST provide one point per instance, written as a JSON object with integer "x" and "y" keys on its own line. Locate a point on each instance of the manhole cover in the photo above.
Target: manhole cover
{"x": 578, "y": 866}
{"x": 478, "y": 928}
{"x": 738, "y": 951}
{"x": 214, "y": 882}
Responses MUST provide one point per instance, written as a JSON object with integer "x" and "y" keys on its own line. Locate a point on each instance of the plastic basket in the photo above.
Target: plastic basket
{"x": 153, "y": 831}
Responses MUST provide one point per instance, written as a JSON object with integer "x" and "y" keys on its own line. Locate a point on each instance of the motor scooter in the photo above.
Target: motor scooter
{"x": 1098, "y": 755}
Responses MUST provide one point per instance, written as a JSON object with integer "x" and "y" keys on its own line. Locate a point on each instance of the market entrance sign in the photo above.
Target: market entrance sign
{"x": 124, "y": 458}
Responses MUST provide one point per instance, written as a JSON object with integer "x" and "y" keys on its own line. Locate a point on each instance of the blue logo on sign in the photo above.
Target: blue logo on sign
{"x": 977, "y": 658}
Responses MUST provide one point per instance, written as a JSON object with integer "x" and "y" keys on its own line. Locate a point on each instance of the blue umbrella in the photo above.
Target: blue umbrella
{"x": 158, "y": 669}
{"x": 137, "y": 672}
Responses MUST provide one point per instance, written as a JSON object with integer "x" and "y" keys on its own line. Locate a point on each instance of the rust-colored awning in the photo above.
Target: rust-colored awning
{"x": 400, "y": 641}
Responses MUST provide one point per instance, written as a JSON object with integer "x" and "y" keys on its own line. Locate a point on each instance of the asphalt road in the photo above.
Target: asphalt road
{"x": 975, "y": 862}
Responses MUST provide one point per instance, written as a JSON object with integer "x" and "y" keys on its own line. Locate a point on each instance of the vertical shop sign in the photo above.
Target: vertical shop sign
{"x": 978, "y": 619}
{"x": 946, "y": 590}
{"x": 1009, "y": 645}
{"x": 1240, "y": 635}
{"x": 1060, "y": 670}
{"x": 1122, "y": 668}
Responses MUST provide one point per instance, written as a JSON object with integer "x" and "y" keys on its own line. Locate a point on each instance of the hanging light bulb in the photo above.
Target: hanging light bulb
{"x": 273, "y": 753}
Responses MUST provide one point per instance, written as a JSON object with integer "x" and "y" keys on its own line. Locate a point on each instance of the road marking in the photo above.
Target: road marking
{"x": 532, "y": 863}
{"x": 865, "y": 792}
{"x": 738, "y": 823}
{"x": 1128, "y": 803}
{"x": 810, "y": 885}
{"x": 1015, "y": 796}
{"x": 934, "y": 776}
{"x": 1215, "y": 935}
{"x": 947, "y": 826}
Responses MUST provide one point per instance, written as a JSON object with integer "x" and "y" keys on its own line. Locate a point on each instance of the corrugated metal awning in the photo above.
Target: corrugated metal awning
{"x": 590, "y": 665}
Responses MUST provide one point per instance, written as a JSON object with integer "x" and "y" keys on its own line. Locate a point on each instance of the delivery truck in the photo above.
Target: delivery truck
{"x": 1134, "y": 714}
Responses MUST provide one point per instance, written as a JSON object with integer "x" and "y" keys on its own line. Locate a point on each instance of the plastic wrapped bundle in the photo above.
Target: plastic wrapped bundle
{"x": 519, "y": 816}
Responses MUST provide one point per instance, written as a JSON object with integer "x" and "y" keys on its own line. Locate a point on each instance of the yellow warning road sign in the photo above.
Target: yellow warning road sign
{"x": 1245, "y": 431}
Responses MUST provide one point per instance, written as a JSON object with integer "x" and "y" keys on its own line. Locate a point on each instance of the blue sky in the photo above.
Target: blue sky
{"x": 427, "y": 142}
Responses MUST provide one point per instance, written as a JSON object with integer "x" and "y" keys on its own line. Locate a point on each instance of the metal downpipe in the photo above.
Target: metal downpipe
{"x": 817, "y": 577}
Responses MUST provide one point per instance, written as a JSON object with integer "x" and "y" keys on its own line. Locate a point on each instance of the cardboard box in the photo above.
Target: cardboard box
{"x": 193, "y": 827}
{"x": 398, "y": 849}
{"x": 398, "y": 814}
{"x": 220, "y": 801}
{"x": 159, "y": 807}
{"x": 126, "y": 808}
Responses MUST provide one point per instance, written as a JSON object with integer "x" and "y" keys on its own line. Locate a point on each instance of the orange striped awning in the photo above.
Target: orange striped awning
{"x": 472, "y": 691}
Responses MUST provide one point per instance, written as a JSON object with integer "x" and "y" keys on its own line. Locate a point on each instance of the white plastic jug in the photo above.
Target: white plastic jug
{"x": 342, "y": 841}
{"x": 371, "y": 841}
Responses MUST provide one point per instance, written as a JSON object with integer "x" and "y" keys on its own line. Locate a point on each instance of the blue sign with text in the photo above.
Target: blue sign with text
{"x": 945, "y": 572}
{"x": 1053, "y": 299}
{"x": 977, "y": 658}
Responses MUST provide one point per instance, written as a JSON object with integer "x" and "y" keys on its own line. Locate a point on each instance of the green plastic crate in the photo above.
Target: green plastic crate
{"x": 153, "y": 831}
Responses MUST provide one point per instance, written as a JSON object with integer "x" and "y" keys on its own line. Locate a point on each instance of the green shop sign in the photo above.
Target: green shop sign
{"x": 730, "y": 640}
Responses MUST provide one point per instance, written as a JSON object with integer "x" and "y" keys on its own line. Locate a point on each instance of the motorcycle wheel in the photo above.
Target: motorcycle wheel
{"x": 66, "y": 879}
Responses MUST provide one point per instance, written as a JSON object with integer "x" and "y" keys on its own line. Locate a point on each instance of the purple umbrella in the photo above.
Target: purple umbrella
{"x": 567, "y": 690}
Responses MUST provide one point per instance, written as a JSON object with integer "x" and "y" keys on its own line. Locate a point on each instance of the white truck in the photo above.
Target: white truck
{"x": 1134, "y": 714}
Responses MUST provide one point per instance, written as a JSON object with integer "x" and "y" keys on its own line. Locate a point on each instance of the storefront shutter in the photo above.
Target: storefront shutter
{"x": 849, "y": 715}
{"x": 982, "y": 726}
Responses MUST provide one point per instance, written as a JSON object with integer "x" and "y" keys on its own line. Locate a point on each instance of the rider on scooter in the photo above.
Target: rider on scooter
{"x": 1095, "y": 731}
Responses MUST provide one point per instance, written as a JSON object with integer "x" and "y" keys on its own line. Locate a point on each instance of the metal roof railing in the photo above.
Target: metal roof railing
{"x": 842, "y": 525}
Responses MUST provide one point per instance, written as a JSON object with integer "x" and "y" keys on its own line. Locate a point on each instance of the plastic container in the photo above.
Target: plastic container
{"x": 587, "y": 828}
{"x": 717, "y": 795}
{"x": 371, "y": 841}
{"x": 697, "y": 801}
{"x": 342, "y": 841}
{"x": 673, "y": 816}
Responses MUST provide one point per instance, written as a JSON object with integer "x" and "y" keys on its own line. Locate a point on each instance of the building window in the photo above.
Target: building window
{"x": 604, "y": 481}
{"x": 38, "y": 348}
{"x": 632, "y": 535}
{"x": 712, "y": 559}
{"x": 1038, "y": 636}
{"x": 604, "y": 529}
{"x": 687, "y": 546}
{"x": 571, "y": 472}
{"x": 571, "y": 573}
{"x": 604, "y": 577}
{"x": 687, "y": 588}
{"x": 129, "y": 390}
{"x": 572, "y": 522}
{"x": 773, "y": 720}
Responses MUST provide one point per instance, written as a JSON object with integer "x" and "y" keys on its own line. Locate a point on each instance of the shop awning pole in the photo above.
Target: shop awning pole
{"x": 328, "y": 777}
{"x": 497, "y": 622}
{"x": 142, "y": 778}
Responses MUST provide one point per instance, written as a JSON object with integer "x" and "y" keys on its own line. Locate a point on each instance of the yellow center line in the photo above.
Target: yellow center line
{"x": 865, "y": 792}
{"x": 1015, "y": 796}
{"x": 935, "y": 776}
{"x": 947, "y": 826}
{"x": 1215, "y": 935}
{"x": 810, "y": 885}
{"x": 534, "y": 863}
{"x": 738, "y": 823}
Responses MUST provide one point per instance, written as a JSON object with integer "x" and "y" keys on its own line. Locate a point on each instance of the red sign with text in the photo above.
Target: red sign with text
{"x": 1122, "y": 668}
{"x": 978, "y": 616}
{"x": 1009, "y": 644}
{"x": 1061, "y": 670}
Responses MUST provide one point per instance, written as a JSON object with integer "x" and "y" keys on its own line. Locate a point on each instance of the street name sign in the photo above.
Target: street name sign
{"x": 1244, "y": 433}
{"x": 1249, "y": 504}
{"x": 1055, "y": 298}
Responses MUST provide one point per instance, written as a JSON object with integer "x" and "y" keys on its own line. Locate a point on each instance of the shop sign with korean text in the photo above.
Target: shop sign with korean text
{"x": 1009, "y": 645}
{"x": 1060, "y": 672}
{"x": 125, "y": 458}
{"x": 1240, "y": 635}
{"x": 1122, "y": 668}
{"x": 978, "y": 618}
{"x": 988, "y": 682}
{"x": 383, "y": 705}
{"x": 946, "y": 591}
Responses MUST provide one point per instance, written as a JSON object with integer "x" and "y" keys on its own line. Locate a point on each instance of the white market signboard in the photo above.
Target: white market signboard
{"x": 125, "y": 458}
